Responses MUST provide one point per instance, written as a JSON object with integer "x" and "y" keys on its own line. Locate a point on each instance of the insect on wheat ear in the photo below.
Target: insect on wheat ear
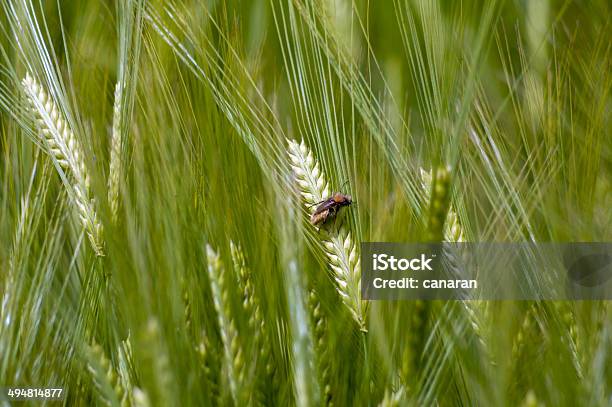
{"x": 341, "y": 251}
{"x": 329, "y": 207}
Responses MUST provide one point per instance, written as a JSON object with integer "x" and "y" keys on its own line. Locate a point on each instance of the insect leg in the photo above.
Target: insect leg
{"x": 336, "y": 220}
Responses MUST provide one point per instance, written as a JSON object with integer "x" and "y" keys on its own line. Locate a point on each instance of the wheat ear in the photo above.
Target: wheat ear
{"x": 66, "y": 151}
{"x": 124, "y": 368}
{"x": 158, "y": 358}
{"x": 321, "y": 346}
{"x": 453, "y": 232}
{"x": 252, "y": 308}
{"x": 141, "y": 398}
{"x": 108, "y": 384}
{"x": 340, "y": 248}
{"x": 234, "y": 359}
{"x": 115, "y": 168}
{"x": 210, "y": 363}
{"x": 392, "y": 398}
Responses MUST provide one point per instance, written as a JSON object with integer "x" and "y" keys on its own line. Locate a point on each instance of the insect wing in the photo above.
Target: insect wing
{"x": 328, "y": 203}
{"x": 319, "y": 217}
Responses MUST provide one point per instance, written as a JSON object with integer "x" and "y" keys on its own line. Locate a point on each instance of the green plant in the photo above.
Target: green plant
{"x": 193, "y": 141}
{"x": 65, "y": 150}
{"x": 339, "y": 247}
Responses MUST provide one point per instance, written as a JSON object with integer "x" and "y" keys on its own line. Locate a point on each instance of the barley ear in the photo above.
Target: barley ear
{"x": 158, "y": 358}
{"x": 109, "y": 387}
{"x": 210, "y": 363}
{"x": 125, "y": 368}
{"x": 321, "y": 346}
{"x": 439, "y": 202}
{"x": 453, "y": 231}
{"x": 252, "y": 308}
{"x": 141, "y": 398}
{"x": 234, "y": 358}
{"x": 66, "y": 151}
{"x": 392, "y": 398}
{"x": 115, "y": 168}
{"x": 339, "y": 246}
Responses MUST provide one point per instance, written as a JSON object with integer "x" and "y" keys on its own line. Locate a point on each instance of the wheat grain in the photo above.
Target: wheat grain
{"x": 338, "y": 244}
{"x": 115, "y": 167}
{"x": 66, "y": 151}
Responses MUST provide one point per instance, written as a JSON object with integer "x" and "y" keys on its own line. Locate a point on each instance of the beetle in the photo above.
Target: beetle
{"x": 328, "y": 208}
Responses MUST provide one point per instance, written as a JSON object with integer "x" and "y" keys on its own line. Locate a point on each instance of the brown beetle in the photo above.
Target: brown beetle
{"x": 328, "y": 208}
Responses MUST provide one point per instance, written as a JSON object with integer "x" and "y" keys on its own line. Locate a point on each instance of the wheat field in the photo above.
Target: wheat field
{"x": 160, "y": 162}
